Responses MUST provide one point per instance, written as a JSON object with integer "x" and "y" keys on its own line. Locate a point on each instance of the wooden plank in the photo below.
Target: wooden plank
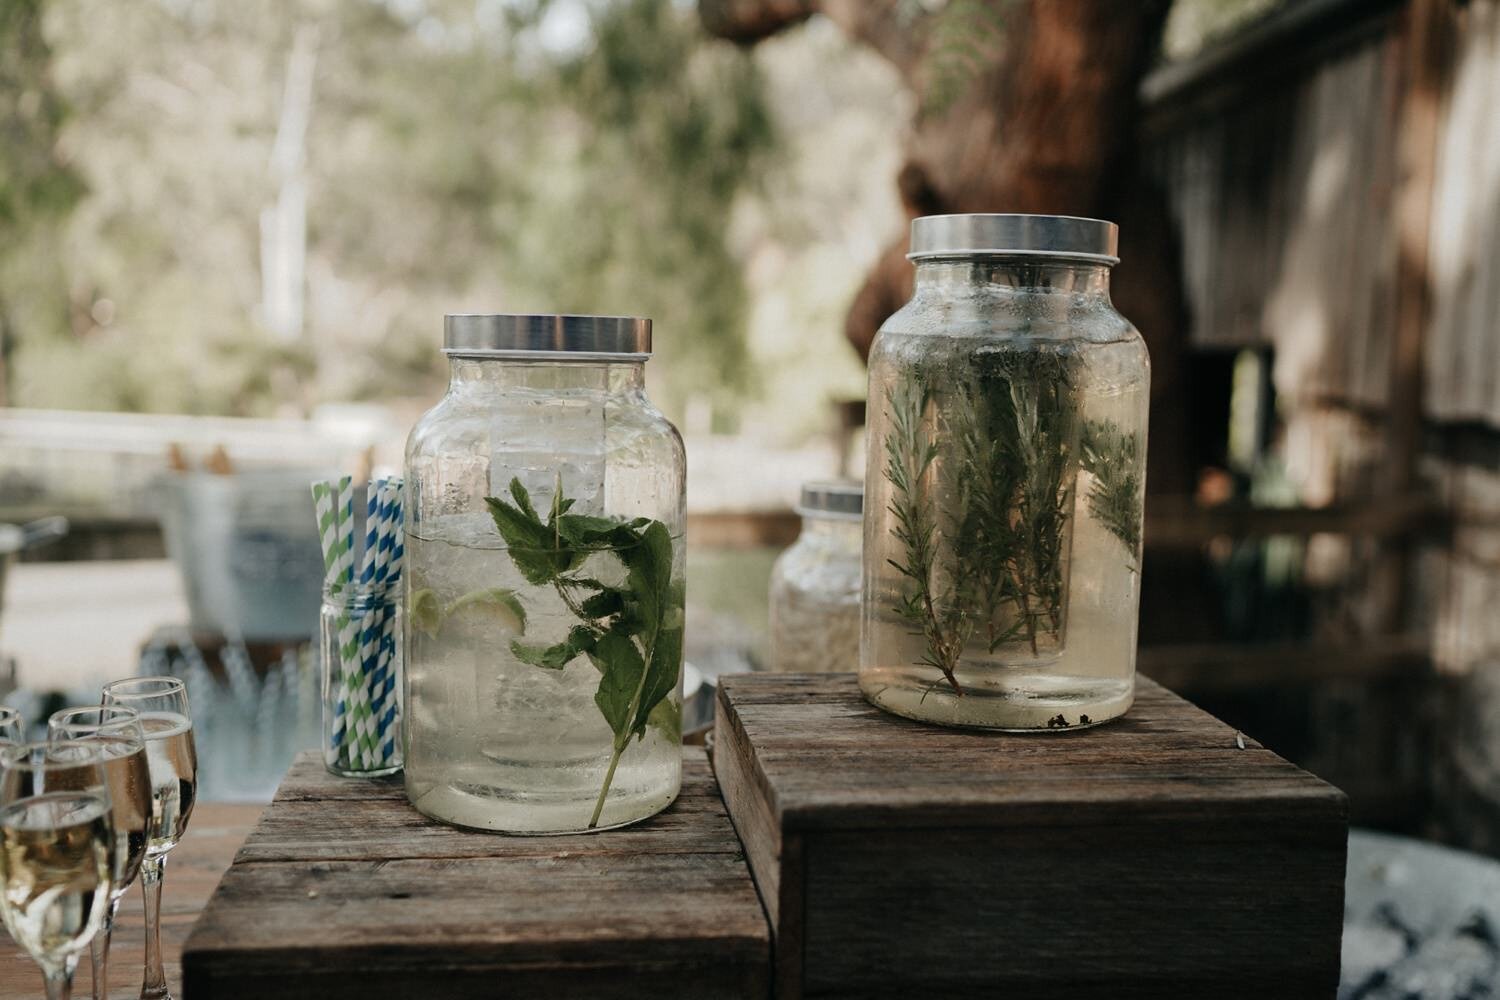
{"x": 1246, "y": 666}
{"x": 343, "y": 890}
{"x": 193, "y": 870}
{"x": 1163, "y": 854}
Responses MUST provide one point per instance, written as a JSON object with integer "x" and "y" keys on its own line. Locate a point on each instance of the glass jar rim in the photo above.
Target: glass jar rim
{"x": 344, "y": 593}
{"x": 541, "y": 337}
{"x": 1044, "y": 237}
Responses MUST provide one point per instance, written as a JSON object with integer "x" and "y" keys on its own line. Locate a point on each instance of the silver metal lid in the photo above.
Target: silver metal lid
{"x": 1057, "y": 236}
{"x": 845, "y": 498}
{"x": 583, "y": 336}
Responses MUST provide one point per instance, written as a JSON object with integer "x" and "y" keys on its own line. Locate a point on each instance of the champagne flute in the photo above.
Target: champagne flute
{"x": 117, "y": 732}
{"x": 173, "y": 762}
{"x": 56, "y": 853}
{"x": 12, "y": 726}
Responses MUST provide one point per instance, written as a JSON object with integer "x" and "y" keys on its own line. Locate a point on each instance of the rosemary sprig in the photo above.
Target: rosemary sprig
{"x": 994, "y": 557}
{"x": 1034, "y": 416}
{"x": 1112, "y": 458}
{"x": 983, "y": 484}
{"x": 910, "y": 452}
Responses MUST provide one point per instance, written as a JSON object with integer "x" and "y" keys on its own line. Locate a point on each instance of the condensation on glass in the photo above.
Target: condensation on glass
{"x": 815, "y": 615}
{"x": 1005, "y": 480}
{"x": 544, "y": 581}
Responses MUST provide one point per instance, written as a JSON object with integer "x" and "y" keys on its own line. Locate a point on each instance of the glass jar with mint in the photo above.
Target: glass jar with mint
{"x": 1004, "y": 481}
{"x": 544, "y": 581}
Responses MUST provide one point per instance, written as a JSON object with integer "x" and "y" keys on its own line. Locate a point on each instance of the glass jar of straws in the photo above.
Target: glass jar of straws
{"x": 358, "y": 638}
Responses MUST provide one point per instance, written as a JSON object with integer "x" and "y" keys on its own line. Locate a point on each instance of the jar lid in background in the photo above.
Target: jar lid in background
{"x": 1057, "y": 236}
{"x": 491, "y": 334}
{"x": 839, "y": 498}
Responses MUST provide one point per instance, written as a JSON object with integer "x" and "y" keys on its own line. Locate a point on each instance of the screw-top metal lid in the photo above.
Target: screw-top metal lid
{"x": 496, "y": 333}
{"x": 845, "y": 498}
{"x": 1058, "y": 236}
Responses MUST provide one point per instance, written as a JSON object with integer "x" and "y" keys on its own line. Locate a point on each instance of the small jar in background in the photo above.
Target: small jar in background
{"x": 361, "y": 657}
{"x": 815, "y": 617}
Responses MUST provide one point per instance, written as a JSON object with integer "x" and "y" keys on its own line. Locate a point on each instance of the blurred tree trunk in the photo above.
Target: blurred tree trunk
{"x": 1023, "y": 106}
{"x": 37, "y": 188}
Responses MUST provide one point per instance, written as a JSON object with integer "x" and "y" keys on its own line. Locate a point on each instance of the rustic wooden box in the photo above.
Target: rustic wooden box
{"x": 1159, "y": 856}
{"x": 345, "y": 891}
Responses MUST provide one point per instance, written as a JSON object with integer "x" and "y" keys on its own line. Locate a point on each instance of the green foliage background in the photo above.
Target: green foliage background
{"x": 459, "y": 157}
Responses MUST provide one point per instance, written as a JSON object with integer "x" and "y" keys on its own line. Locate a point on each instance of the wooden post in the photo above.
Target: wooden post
{"x": 1425, "y": 33}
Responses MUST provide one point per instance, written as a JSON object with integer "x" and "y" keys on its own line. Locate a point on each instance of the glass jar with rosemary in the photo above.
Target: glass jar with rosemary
{"x": 544, "y": 581}
{"x": 1005, "y": 480}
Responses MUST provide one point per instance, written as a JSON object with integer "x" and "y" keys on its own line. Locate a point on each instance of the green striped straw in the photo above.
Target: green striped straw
{"x": 333, "y": 503}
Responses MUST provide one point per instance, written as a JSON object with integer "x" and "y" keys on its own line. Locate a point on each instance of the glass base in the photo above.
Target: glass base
{"x": 380, "y": 772}
{"x": 1013, "y": 700}
{"x": 475, "y": 807}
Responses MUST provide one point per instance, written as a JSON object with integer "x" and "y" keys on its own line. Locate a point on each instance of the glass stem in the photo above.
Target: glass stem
{"x": 59, "y": 981}
{"x": 99, "y": 950}
{"x": 155, "y": 985}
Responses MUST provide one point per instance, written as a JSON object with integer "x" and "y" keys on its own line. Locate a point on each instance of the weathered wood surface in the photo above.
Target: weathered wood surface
{"x": 343, "y": 890}
{"x": 194, "y": 868}
{"x": 1152, "y": 857}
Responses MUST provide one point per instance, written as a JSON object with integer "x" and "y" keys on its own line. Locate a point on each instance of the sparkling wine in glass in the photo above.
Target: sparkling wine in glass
{"x": 117, "y": 732}
{"x": 162, "y": 704}
{"x": 57, "y": 849}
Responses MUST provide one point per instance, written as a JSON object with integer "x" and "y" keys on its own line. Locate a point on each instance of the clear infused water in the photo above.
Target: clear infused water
{"x": 1031, "y": 591}
{"x": 496, "y": 743}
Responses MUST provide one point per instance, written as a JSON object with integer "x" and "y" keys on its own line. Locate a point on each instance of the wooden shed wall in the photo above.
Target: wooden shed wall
{"x": 1281, "y": 155}
{"x": 1282, "y": 182}
{"x": 1463, "y": 342}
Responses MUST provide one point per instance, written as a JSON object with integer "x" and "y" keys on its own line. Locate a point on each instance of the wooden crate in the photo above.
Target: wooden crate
{"x": 1162, "y": 855}
{"x": 344, "y": 891}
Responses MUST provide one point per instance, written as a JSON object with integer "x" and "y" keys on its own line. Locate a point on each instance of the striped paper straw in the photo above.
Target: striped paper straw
{"x": 387, "y": 694}
{"x": 358, "y": 673}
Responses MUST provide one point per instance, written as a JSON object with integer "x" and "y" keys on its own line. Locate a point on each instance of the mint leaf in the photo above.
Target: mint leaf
{"x": 650, "y": 576}
{"x": 530, "y": 545}
{"x": 603, "y": 604}
{"x": 666, "y": 718}
{"x": 585, "y": 529}
{"x": 580, "y": 640}
{"x": 620, "y": 666}
{"x": 661, "y": 676}
{"x": 523, "y": 500}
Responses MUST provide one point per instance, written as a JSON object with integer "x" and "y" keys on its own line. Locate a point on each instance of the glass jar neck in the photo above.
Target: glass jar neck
{"x": 1028, "y": 274}
{"x": 828, "y": 529}
{"x": 612, "y": 375}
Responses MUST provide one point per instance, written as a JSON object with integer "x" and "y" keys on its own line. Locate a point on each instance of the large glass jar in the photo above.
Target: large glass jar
{"x": 1005, "y": 481}
{"x": 815, "y": 584}
{"x": 544, "y": 581}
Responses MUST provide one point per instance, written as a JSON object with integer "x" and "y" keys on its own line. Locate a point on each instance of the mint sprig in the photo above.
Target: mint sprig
{"x": 632, "y": 634}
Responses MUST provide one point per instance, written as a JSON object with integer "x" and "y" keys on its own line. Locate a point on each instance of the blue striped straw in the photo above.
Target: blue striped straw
{"x": 345, "y": 514}
{"x": 384, "y": 695}
{"x": 358, "y": 674}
